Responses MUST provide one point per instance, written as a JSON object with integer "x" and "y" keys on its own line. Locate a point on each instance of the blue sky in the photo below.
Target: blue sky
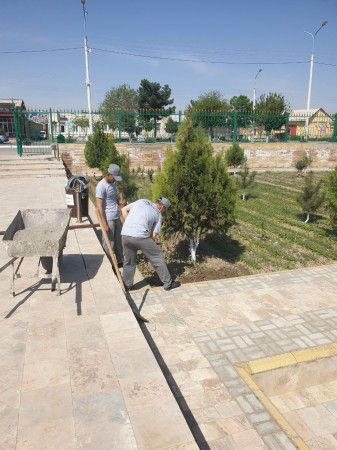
{"x": 234, "y": 39}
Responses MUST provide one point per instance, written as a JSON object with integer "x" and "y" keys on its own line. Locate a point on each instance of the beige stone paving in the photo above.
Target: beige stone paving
{"x": 76, "y": 371}
{"x": 181, "y": 321}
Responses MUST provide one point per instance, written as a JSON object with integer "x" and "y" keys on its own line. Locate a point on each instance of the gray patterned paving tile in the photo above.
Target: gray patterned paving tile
{"x": 259, "y": 339}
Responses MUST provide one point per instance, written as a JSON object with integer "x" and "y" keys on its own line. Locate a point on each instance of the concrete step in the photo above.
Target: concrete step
{"x": 36, "y": 166}
{"x": 34, "y": 174}
{"x": 14, "y": 162}
{"x": 31, "y": 166}
{"x": 16, "y": 157}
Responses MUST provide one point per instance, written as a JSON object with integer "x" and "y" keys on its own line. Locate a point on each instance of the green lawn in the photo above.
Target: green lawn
{"x": 271, "y": 228}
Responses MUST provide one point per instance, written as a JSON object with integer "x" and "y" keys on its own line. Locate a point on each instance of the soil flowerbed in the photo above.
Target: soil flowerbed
{"x": 270, "y": 235}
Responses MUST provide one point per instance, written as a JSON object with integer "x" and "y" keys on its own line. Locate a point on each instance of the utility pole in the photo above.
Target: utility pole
{"x": 254, "y": 99}
{"x": 87, "y": 80}
{"x": 310, "y": 75}
{"x": 254, "y": 89}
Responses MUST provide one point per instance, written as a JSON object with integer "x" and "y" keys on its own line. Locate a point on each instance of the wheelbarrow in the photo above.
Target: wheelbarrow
{"x": 38, "y": 232}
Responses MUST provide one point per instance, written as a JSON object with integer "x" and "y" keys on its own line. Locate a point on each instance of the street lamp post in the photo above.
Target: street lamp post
{"x": 254, "y": 89}
{"x": 87, "y": 80}
{"x": 254, "y": 99}
{"x": 312, "y": 61}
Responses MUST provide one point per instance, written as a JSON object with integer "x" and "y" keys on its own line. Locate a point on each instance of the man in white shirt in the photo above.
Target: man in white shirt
{"x": 107, "y": 204}
{"x": 143, "y": 220}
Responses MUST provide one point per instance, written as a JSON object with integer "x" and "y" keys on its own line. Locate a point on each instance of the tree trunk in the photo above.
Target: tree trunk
{"x": 194, "y": 242}
{"x": 243, "y": 196}
{"x": 307, "y": 219}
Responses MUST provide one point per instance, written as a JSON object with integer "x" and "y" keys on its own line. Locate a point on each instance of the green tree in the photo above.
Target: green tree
{"x": 241, "y": 104}
{"x": 311, "y": 197}
{"x": 148, "y": 126}
{"x": 235, "y": 156}
{"x": 152, "y": 97}
{"x": 171, "y": 126}
{"x": 244, "y": 107}
{"x": 81, "y": 122}
{"x": 150, "y": 174}
{"x": 209, "y": 110}
{"x": 245, "y": 179}
{"x": 128, "y": 186}
{"x": 100, "y": 150}
{"x": 331, "y": 197}
{"x": 201, "y": 192}
{"x": 271, "y": 111}
{"x": 302, "y": 164}
{"x": 119, "y": 108}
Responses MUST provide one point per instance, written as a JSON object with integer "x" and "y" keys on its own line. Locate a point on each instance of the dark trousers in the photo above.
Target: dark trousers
{"x": 151, "y": 251}
{"x": 115, "y": 238}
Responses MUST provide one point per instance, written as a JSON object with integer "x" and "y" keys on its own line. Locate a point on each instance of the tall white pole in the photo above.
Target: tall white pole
{"x": 310, "y": 81}
{"x": 254, "y": 100}
{"x": 254, "y": 89}
{"x": 87, "y": 80}
{"x": 310, "y": 76}
{"x": 312, "y": 61}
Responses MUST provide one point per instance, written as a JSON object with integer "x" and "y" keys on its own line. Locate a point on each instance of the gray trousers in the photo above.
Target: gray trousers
{"x": 115, "y": 238}
{"x": 151, "y": 251}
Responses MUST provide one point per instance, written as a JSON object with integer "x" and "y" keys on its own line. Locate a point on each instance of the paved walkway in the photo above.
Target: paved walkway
{"x": 76, "y": 371}
{"x": 244, "y": 363}
{"x": 203, "y": 330}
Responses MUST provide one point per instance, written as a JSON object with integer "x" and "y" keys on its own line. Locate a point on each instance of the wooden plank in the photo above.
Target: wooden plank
{"x": 119, "y": 276}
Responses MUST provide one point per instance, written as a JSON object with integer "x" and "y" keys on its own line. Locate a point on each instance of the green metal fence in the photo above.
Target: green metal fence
{"x": 37, "y": 130}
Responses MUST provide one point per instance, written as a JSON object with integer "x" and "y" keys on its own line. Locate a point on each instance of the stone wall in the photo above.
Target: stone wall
{"x": 260, "y": 155}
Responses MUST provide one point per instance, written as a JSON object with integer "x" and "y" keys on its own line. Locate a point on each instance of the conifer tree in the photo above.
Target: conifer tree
{"x": 331, "y": 197}
{"x": 100, "y": 151}
{"x": 311, "y": 197}
{"x": 201, "y": 192}
{"x": 235, "y": 156}
{"x": 245, "y": 179}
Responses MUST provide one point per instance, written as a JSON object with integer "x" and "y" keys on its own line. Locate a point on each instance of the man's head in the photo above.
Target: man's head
{"x": 163, "y": 204}
{"x": 113, "y": 173}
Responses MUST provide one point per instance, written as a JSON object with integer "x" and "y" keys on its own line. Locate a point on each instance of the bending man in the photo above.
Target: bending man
{"x": 142, "y": 224}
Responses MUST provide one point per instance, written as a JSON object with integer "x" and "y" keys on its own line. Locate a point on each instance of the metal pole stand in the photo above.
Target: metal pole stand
{"x": 78, "y": 201}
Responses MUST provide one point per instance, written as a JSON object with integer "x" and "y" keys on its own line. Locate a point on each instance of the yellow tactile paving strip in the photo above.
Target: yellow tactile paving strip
{"x": 249, "y": 369}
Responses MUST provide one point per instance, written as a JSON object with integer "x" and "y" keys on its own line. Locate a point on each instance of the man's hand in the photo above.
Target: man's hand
{"x": 122, "y": 202}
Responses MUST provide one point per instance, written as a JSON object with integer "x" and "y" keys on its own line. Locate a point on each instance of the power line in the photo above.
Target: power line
{"x": 195, "y": 60}
{"x": 46, "y": 50}
{"x": 166, "y": 58}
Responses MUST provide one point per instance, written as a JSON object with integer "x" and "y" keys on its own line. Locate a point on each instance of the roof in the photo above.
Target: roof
{"x": 17, "y": 102}
{"x": 300, "y": 115}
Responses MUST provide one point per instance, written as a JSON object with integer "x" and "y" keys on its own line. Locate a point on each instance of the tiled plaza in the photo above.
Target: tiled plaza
{"x": 79, "y": 372}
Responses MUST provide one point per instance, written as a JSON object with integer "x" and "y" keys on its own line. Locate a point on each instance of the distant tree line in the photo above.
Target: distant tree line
{"x": 145, "y": 104}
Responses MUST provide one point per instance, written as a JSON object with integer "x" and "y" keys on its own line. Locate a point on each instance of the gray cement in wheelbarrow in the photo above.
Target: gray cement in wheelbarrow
{"x": 41, "y": 232}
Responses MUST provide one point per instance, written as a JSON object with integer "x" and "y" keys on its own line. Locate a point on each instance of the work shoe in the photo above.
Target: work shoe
{"x": 129, "y": 288}
{"x": 173, "y": 285}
